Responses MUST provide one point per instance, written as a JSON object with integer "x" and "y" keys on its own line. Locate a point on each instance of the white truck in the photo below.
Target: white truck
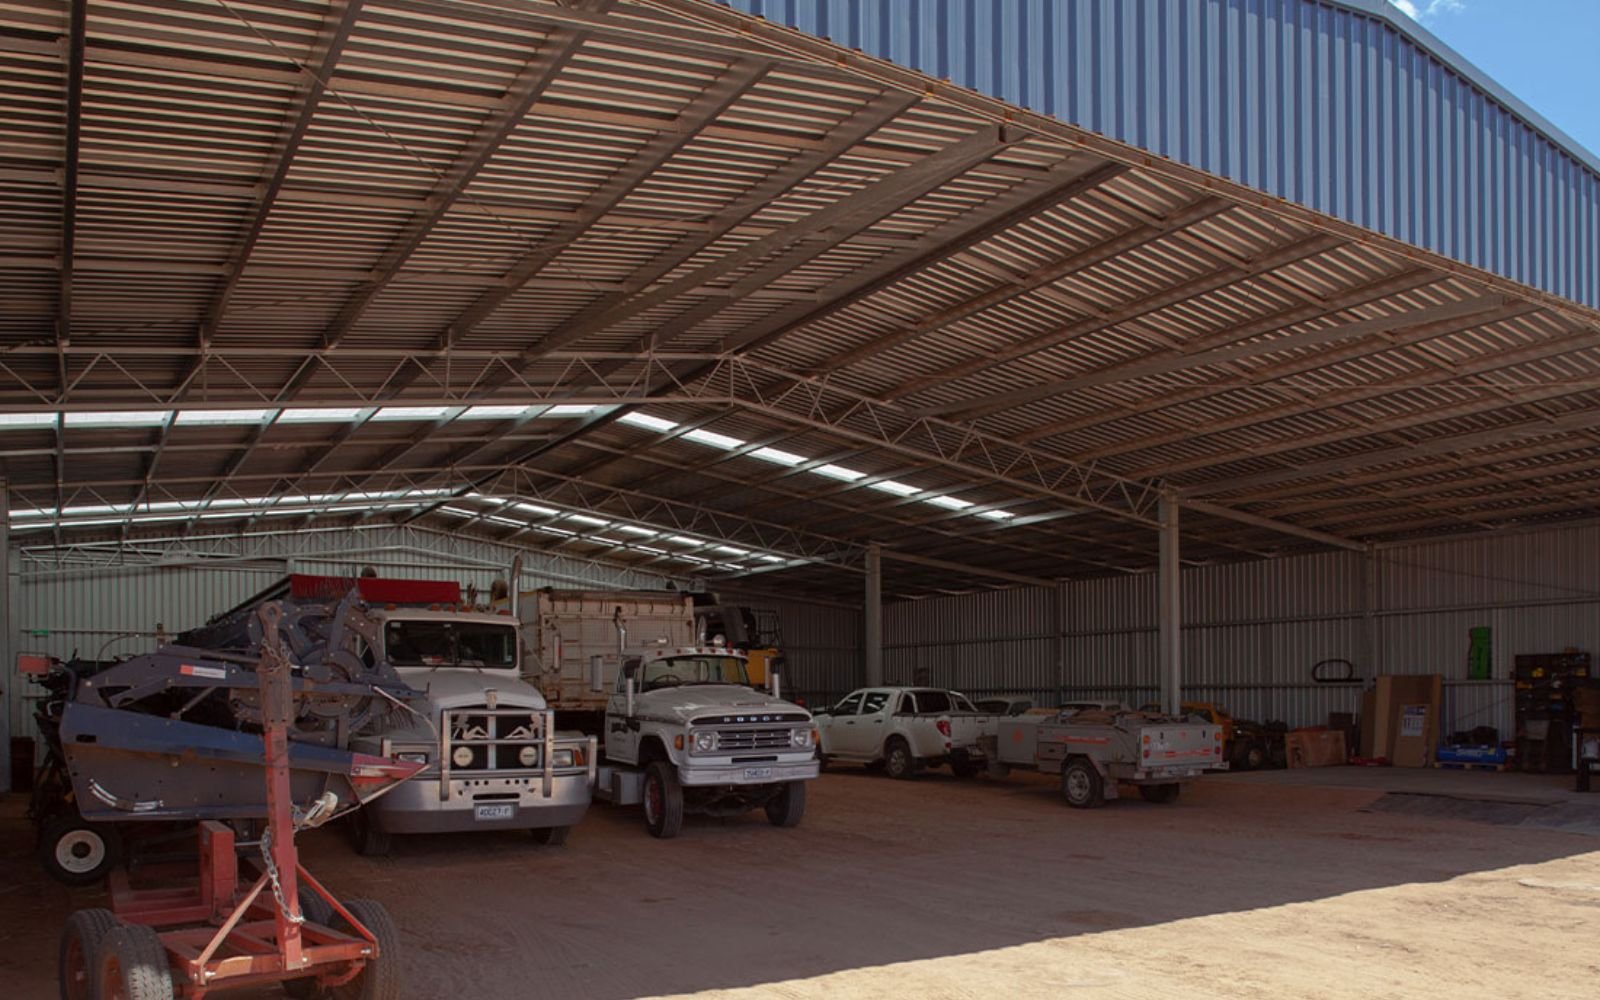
{"x": 1097, "y": 751}
{"x": 569, "y": 643}
{"x": 685, "y": 733}
{"x": 906, "y": 729}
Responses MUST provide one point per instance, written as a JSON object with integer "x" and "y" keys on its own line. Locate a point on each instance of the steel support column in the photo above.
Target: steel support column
{"x": 9, "y": 696}
{"x": 1169, "y": 594}
{"x": 873, "y": 622}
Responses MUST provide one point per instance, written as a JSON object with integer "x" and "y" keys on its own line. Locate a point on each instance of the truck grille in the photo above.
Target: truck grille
{"x": 752, "y": 739}
{"x": 495, "y": 737}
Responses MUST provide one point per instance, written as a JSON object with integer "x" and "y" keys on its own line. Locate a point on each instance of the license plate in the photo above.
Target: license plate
{"x": 505, "y": 811}
{"x": 757, "y": 773}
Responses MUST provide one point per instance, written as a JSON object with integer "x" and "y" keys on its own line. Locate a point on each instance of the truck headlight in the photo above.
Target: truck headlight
{"x": 705, "y": 742}
{"x": 563, "y": 758}
{"x": 413, "y": 758}
{"x": 528, "y": 756}
{"x": 800, "y": 738}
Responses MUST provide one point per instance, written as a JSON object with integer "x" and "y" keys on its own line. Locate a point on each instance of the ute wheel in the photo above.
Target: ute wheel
{"x": 788, "y": 807}
{"x": 1160, "y": 794}
{"x": 550, "y": 836}
{"x": 1082, "y": 786}
{"x": 75, "y": 851}
{"x": 131, "y": 964}
{"x": 379, "y": 979}
{"x": 366, "y": 837}
{"x": 897, "y": 760}
{"x": 80, "y": 943}
{"x": 663, "y": 800}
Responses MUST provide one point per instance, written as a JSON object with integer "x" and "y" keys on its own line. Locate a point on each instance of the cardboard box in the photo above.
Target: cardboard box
{"x": 1315, "y": 748}
{"x": 1400, "y": 718}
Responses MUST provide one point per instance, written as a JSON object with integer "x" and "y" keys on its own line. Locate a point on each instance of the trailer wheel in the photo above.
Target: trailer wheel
{"x": 316, "y": 911}
{"x": 80, "y": 943}
{"x": 897, "y": 759}
{"x": 131, "y": 964}
{"x": 1082, "y": 786}
{"x": 550, "y": 836}
{"x": 788, "y": 807}
{"x": 74, "y": 851}
{"x": 965, "y": 769}
{"x": 368, "y": 839}
{"x": 1161, "y": 794}
{"x": 663, "y": 800}
{"x": 379, "y": 979}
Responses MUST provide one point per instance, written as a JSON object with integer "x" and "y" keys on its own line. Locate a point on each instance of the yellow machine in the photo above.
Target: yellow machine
{"x": 753, "y": 631}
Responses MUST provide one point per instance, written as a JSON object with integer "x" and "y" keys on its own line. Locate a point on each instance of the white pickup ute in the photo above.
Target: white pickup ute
{"x": 905, "y": 729}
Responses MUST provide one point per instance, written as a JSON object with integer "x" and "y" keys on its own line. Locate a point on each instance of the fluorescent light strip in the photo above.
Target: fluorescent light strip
{"x": 492, "y": 412}
{"x": 646, "y": 421}
{"x": 950, "y": 503}
{"x": 898, "y": 489}
{"x": 118, "y": 418}
{"x": 715, "y": 440}
{"x": 21, "y": 421}
{"x": 839, "y": 472}
{"x": 219, "y": 417}
{"x": 778, "y": 457}
{"x": 411, "y": 413}
{"x": 320, "y": 415}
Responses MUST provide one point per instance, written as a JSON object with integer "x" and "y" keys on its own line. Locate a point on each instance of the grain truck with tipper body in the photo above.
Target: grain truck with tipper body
{"x": 1095, "y": 752}
{"x": 685, "y": 732}
{"x": 569, "y": 643}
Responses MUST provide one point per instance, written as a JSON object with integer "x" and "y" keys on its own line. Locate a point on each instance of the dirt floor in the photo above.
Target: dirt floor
{"x": 1252, "y": 886}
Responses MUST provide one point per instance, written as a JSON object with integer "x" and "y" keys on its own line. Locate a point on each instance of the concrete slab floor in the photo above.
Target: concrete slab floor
{"x": 1254, "y": 886}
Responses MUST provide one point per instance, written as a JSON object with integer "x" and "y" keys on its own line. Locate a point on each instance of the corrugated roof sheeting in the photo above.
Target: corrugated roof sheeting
{"x": 1347, "y": 108}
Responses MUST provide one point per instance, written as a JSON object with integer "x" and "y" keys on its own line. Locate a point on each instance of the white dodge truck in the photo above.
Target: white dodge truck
{"x": 684, "y": 732}
{"x": 906, "y": 729}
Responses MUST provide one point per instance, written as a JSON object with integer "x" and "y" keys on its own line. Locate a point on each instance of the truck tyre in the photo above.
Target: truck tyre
{"x": 80, "y": 943}
{"x": 366, "y": 837}
{"x": 131, "y": 964}
{"x": 551, "y": 836}
{"x": 1082, "y": 786}
{"x": 788, "y": 807}
{"x": 379, "y": 979}
{"x": 897, "y": 759}
{"x": 74, "y": 851}
{"x": 663, "y": 800}
{"x": 1160, "y": 794}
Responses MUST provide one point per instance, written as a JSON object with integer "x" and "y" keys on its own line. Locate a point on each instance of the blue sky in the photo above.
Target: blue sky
{"x": 1546, "y": 52}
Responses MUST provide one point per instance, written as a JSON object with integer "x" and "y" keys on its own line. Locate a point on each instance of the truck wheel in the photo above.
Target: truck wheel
{"x": 1160, "y": 794}
{"x": 551, "y": 836}
{"x": 663, "y": 800}
{"x": 379, "y": 979}
{"x": 1082, "y": 786}
{"x": 1255, "y": 756}
{"x": 366, "y": 837}
{"x": 80, "y": 942}
{"x": 131, "y": 964}
{"x": 788, "y": 807}
{"x": 897, "y": 760}
{"x": 74, "y": 851}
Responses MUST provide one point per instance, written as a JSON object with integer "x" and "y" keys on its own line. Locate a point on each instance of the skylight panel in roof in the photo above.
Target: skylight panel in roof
{"x": 493, "y": 412}
{"x": 897, "y": 488}
{"x": 115, "y": 418}
{"x": 641, "y": 532}
{"x": 534, "y": 508}
{"x": 569, "y": 410}
{"x": 778, "y": 457}
{"x": 646, "y": 421}
{"x": 949, "y": 503}
{"x": 319, "y": 415}
{"x": 839, "y": 472}
{"x": 21, "y": 421}
{"x": 411, "y": 413}
{"x": 998, "y": 515}
{"x": 204, "y": 418}
{"x": 586, "y": 519}
{"x": 714, "y": 439}
{"x": 684, "y": 540}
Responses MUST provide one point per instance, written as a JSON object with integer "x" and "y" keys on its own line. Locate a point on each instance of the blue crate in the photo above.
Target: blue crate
{"x": 1463, "y": 754}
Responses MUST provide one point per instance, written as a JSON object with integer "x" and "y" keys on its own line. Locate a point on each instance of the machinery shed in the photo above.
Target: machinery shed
{"x": 1146, "y": 352}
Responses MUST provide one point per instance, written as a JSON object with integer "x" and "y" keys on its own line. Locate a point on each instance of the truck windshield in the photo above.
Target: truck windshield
{"x": 436, "y": 643}
{"x": 675, "y": 670}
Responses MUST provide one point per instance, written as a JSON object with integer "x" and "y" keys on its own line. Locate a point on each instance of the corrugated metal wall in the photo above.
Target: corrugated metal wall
{"x": 1330, "y": 105}
{"x": 1253, "y": 631}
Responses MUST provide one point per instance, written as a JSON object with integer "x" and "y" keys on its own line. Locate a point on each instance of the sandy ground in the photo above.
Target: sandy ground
{"x": 948, "y": 889}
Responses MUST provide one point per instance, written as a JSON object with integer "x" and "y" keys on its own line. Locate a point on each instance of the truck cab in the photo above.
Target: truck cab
{"x": 493, "y": 759}
{"x": 686, "y": 732}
